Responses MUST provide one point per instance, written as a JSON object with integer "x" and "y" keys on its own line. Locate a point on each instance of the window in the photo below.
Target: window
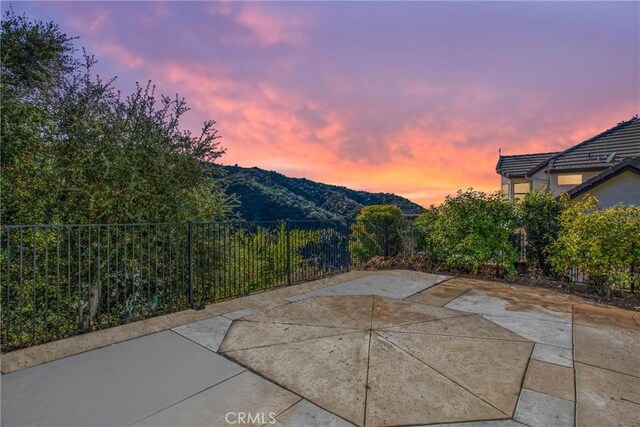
{"x": 572, "y": 179}
{"x": 520, "y": 189}
{"x": 505, "y": 189}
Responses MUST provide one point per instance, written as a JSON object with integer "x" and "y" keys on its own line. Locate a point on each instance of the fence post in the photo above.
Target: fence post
{"x": 288, "y": 238}
{"x": 190, "y": 264}
{"x": 413, "y": 242}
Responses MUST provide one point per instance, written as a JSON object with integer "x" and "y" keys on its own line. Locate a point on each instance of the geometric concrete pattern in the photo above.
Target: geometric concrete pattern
{"x": 381, "y": 361}
{"x": 383, "y": 348}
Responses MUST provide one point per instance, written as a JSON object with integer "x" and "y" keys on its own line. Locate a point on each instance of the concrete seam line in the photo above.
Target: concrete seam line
{"x": 440, "y": 373}
{"x": 189, "y": 397}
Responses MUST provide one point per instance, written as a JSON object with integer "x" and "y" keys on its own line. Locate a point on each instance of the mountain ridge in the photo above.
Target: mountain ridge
{"x": 270, "y": 196}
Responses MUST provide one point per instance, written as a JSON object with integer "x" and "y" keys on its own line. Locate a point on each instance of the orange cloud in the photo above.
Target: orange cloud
{"x": 428, "y": 157}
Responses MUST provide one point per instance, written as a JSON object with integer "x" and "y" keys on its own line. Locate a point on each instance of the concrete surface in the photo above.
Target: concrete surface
{"x": 365, "y": 372}
{"x": 245, "y": 335}
{"x": 208, "y": 333}
{"x": 541, "y": 410}
{"x": 469, "y": 325}
{"x": 420, "y": 364}
{"x": 404, "y": 390}
{"x": 116, "y": 385}
{"x": 312, "y": 312}
{"x": 550, "y": 379}
{"x": 221, "y": 405}
{"x": 386, "y": 285}
{"x": 552, "y": 354}
{"x": 331, "y": 372}
{"x": 490, "y": 369}
{"x": 239, "y": 314}
{"x": 439, "y": 295}
{"x": 606, "y": 398}
{"x": 305, "y": 413}
{"x": 389, "y": 312}
{"x": 488, "y": 303}
{"x": 493, "y": 423}
{"x": 547, "y": 332}
{"x": 614, "y": 349}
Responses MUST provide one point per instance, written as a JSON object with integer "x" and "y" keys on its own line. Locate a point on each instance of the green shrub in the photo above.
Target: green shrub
{"x": 539, "y": 214}
{"x": 75, "y": 151}
{"x": 604, "y": 244}
{"x": 424, "y": 227}
{"x": 379, "y": 230}
{"x": 470, "y": 231}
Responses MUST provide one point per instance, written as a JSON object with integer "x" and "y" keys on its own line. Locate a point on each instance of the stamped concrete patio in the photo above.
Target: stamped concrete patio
{"x": 384, "y": 348}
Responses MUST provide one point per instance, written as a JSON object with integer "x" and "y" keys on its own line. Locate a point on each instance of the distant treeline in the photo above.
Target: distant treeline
{"x": 267, "y": 196}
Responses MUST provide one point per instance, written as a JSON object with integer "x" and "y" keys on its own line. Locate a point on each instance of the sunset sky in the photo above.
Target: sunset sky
{"x": 411, "y": 98}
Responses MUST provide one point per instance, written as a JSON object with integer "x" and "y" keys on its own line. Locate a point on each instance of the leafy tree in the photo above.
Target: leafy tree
{"x": 75, "y": 151}
{"x": 424, "y": 227}
{"x": 539, "y": 214}
{"x": 604, "y": 244}
{"x": 378, "y": 230}
{"x": 472, "y": 230}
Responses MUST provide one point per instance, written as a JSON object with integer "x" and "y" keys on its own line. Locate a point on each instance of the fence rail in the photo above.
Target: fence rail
{"x": 61, "y": 280}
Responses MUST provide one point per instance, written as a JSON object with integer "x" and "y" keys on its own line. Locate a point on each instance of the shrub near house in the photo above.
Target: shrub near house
{"x": 539, "y": 217}
{"x": 469, "y": 231}
{"x": 605, "y": 244}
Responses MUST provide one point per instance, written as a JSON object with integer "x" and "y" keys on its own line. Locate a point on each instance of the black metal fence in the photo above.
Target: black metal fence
{"x": 61, "y": 280}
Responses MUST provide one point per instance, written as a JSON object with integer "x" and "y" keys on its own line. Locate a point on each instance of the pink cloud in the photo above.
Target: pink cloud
{"x": 269, "y": 28}
{"x": 427, "y": 157}
{"x": 122, "y": 54}
{"x": 256, "y": 25}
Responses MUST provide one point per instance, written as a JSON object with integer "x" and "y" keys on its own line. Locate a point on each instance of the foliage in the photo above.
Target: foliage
{"x": 378, "y": 230}
{"x": 269, "y": 196}
{"x": 604, "y": 244}
{"x": 471, "y": 230}
{"x": 75, "y": 151}
{"x": 61, "y": 280}
{"x": 539, "y": 214}
{"x": 424, "y": 227}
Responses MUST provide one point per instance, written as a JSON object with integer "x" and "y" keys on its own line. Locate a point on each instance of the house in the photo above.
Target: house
{"x": 606, "y": 166}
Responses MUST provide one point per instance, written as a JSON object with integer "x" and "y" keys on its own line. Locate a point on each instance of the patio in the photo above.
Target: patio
{"x": 362, "y": 348}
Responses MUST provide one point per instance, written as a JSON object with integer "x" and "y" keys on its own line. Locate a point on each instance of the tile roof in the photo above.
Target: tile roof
{"x": 630, "y": 164}
{"x": 599, "y": 152}
{"x": 518, "y": 165}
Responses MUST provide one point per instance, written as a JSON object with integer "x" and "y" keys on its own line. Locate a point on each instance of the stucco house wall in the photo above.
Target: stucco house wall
{"x": 624, "y": 188}
{"x": 540, "y": 180}
{"x": 559, "y": 189}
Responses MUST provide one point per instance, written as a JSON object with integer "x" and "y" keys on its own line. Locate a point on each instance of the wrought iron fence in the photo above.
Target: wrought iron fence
{"x": 61, "y": 280}
{"x": 533, "y": 254}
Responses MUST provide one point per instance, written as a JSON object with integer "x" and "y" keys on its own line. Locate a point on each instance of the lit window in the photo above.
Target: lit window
{"x": 573, "y": 179}
{"x": 521, "y": 187}
{"x": 505, "y": 189}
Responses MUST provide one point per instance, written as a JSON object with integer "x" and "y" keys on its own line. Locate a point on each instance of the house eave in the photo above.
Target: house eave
{"x": 607, "y": 174}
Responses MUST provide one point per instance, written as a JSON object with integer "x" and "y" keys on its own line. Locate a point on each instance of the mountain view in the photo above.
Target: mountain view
{"x": 270, "y": 196}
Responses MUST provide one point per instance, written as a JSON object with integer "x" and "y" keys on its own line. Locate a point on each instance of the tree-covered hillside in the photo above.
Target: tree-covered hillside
{"x": 266, "y": 195}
